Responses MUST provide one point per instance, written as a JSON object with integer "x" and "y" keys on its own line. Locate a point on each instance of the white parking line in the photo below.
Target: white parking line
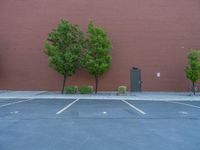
{"x": 185, "y": 104}
{"x": 132, "y": 106}
{"x": 8, "y": 104}
{"x": 66, "y": 107}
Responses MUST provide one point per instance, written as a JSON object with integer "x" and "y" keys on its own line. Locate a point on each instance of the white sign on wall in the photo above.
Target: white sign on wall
{"x": 158, "y": 74}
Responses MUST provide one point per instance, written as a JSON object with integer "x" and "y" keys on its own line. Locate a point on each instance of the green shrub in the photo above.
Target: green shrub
{"x": 71, "y": 89}
{"x": 86, "y": 90}
{"x": 122, "y": 89}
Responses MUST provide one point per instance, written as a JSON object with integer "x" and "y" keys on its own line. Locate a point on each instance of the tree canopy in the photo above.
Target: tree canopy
{"x": 63, "y": 48}
{"x": 96, "y": 59}
{"x": 193, "y": 69}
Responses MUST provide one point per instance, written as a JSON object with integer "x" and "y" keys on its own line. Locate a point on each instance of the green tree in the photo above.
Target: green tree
{"x": 193, "y": 69}
{"x": 63, "y": 47}
{"x": 96, "y": 59}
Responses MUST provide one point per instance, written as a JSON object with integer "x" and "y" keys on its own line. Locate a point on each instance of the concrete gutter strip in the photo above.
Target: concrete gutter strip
{"x": 155, "y": 96}
{"x": 20, "y": 93}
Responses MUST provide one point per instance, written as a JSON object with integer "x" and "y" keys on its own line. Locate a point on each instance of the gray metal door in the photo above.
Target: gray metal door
{"x": 135, "y": 77}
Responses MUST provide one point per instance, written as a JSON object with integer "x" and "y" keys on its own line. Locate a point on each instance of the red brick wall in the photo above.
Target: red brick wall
{"x": 153, "y": 35}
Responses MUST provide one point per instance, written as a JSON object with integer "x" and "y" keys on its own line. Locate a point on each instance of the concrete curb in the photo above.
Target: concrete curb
{"x": 152, "y": 96}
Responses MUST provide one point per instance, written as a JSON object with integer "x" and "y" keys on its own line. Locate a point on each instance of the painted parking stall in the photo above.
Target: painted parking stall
{"x": 6, "y": 101}
{"x": 134, "y": 107}
{"x": 187, "y": 104}
{"x": 195, "y": 103}
{"x": 67, "y": 106}
{"x": 89, "y": 108}
{"x": 16, "y": 102}
{"x": 167, "y": 109}
{"x": 33, "y": 108}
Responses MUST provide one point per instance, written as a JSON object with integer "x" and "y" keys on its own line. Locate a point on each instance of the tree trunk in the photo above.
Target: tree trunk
{"x": 63, "y": 86}
{"x": 193, "y": 88}
{"x": 96, "y": 82}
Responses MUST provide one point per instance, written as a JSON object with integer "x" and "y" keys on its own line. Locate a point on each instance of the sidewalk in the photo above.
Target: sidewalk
{"x": 159, "y": 96}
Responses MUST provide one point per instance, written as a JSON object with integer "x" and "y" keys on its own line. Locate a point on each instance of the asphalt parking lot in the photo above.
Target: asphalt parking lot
{"x": 88, "y": 124}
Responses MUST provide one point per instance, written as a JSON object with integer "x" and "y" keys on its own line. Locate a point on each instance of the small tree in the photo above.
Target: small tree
{"x": 96, "y": 59}
{"x": 193, "y": 69}
{"x": 63, "y": 47}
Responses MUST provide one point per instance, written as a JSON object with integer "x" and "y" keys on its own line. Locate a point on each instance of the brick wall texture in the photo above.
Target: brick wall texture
{"x": 153, "y": 35}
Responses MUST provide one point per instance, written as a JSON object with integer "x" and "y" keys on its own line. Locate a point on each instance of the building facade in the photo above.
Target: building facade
{"x": 154, "y": 36}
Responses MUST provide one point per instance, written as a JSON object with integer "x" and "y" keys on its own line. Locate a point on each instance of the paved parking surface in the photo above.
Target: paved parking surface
{"x": 88, "y": 124}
